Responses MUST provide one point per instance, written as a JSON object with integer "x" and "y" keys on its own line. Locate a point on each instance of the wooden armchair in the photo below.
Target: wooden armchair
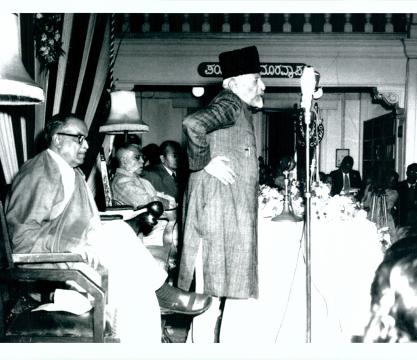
{"x": 20, "y": 272}
{"x": 165, "y": 253}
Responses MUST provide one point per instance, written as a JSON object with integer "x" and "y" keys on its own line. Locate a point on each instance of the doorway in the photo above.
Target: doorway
{"x": 281, "y": 135}
{"x": 378, "y": 144}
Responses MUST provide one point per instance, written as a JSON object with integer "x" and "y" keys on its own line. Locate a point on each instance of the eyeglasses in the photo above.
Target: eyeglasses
{"x": 80, "y": 138}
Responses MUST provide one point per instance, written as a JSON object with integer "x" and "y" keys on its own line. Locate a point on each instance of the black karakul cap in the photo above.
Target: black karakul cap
{"x": 240, "y": 62}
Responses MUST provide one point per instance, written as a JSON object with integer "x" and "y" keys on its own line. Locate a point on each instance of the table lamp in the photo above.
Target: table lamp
{"x": 16, "y": 86}
{"x": 124, "y": 115}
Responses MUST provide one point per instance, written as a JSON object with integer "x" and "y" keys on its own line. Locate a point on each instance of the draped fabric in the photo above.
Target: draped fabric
{"x": 77, "y": 84}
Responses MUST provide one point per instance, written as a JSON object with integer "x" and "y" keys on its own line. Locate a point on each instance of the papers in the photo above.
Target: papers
{"x": 67, "y": 300}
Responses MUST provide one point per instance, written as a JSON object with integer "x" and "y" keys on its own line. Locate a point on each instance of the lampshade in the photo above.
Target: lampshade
{"x": 16, "y": 86}
{"x": 124, "y": 116}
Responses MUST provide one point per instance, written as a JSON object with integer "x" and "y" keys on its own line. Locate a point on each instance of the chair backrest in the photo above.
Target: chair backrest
{"x": 6, "y": 260}
{"x": 105, "y": 179}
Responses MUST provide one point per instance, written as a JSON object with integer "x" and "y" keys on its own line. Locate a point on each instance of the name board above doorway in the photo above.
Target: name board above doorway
{"x": 268, "y": 70}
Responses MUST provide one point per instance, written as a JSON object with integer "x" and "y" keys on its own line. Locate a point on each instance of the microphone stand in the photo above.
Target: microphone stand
{"x": 308, "y": 84}
{"x": 307, "y": 119}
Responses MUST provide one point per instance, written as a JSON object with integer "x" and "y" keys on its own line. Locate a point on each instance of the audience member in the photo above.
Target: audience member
{"x": 394, "y": 296}
{"x": 51, "y": 209}
{"x": 119, "y": 141}
{"x": 345, "y": 179}
{"x": 380, "y": 200}
{"x": 220, "y": 207}
{"x": 128, "y": 187}
{"x": 164, "y": 176}
{"x": 150, "y": 155}
{"x": 407, "y": 206}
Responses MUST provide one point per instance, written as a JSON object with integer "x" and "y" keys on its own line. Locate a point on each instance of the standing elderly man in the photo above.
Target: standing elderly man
{"x": 51, "y": 209}
{"x": 220, "y": 203}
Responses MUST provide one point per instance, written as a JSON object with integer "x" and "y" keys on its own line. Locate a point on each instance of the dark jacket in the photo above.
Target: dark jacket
{"x": 407, "y": 205}
{"x": 337, "y": 181}
{"x": 161, "y": 180}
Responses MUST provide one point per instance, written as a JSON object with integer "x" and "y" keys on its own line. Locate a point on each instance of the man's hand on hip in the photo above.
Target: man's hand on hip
{"x": 218, "y": 168}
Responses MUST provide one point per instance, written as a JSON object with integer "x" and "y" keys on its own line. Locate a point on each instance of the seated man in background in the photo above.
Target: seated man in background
{"x": 163, "y": 176}
{"x": 50, "y": 208}
{"x": 345, "y": 178}
{"x": 407, "y": 206}
{"x": 150, "y": 155}
{"x": 128, "y": 187}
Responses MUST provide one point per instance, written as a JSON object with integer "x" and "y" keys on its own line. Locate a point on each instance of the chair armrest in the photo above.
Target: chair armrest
{"x": 61, "y": 258}
{"x": 118, "y": 207}
{"x": 37, "y": 258}
{"x": 56, "y": 275}
{"x": 104, "y": 217}
{"x": 125, "y": 214}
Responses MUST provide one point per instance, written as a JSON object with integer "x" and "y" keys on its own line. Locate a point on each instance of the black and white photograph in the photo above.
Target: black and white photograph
{"x": 187, "y": 179}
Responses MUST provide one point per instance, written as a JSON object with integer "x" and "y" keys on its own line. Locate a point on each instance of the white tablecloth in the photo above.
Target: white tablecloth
{"x": 344, "y": 257}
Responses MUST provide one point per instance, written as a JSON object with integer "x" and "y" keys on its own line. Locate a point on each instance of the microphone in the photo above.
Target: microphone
{"x": 308, "y": 85}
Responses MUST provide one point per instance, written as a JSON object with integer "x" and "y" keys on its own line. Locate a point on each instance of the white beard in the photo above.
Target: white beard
{"x": 257, "y": 101}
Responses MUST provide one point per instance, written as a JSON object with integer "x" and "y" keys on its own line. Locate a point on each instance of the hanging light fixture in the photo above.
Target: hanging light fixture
{"x": 16, "y": 86}
{"x": 124, "y": 115}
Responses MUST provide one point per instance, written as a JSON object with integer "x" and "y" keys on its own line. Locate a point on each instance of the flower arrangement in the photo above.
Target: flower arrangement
{"x": 338, "y": 208}
{"x": 270, "y": 201}
{"x": 48, "y": 38}
{"x": 323, "y": 206}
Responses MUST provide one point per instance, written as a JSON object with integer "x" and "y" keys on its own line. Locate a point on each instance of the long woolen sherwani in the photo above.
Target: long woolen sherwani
{"x": 223, "y": 217}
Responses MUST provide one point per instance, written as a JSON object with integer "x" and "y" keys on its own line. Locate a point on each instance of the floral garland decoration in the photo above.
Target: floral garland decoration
{"x": 48, "y": 39}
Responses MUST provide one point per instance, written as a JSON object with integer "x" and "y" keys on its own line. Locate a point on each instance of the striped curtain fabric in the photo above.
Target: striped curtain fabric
{"x": 77, "y": 83}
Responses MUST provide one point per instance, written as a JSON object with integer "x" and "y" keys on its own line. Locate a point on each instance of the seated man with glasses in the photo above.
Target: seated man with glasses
{"x": 50, "y": 208}
{"x": 80, "y": 138}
